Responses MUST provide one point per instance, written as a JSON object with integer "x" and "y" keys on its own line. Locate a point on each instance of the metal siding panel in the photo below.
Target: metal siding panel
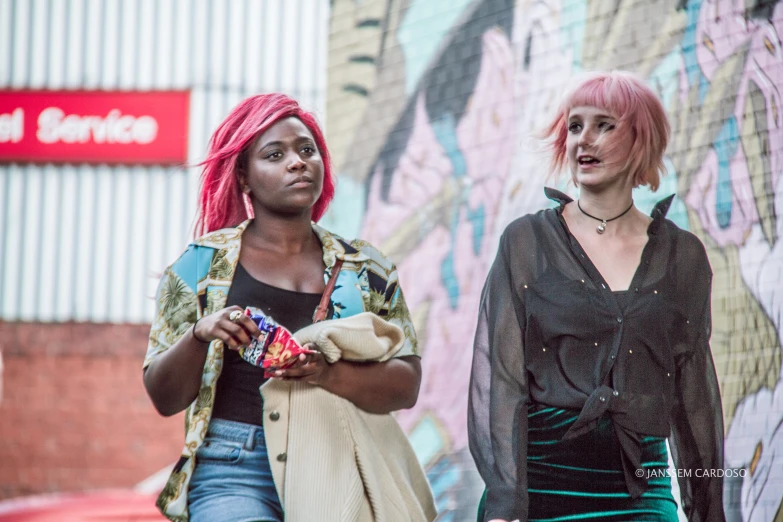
{"x": 112, "y": 36}
{"x": 45, "y": 259}
{"x": 167, "y": 218}
{"x": 65, "y": 285}
{"x": 133, "y": 281}
{"x": 254, "y": 65}
{"x": 101, "y": 245}
{"x": 199, "y": 43}
{"x": 117, "y": 270}
{"x": 5, "y": 204}
{"x": 129, "y": 25}
{"x": 155, "y": 256}
{"x": 77, "y": 45}
{"x": 41, "y": 36}
{"x": 95, "y": 27}
{"x": 58, "y": 20}
{"x": 7, "y": 35}
{"x": 88, "y": 248}
{"x": 13, "y": 241}
{"x": 103, "y": 278}
{"x": 272, "y": 46}
{"x": 21, "y": 47}
{"x": 109, "y": 193}
{"x": 218, "y": 46}
{"x": 286, "y": 43}
{"x": 196, "y": 142}
{"x": 78, "y": 222}
{"x": 147, "y": 46}
{"x": 28, "y": 246}
{"x": 251, "y": 46}
{"x": 183, "y": 51}
{"x": 180, "y": 231}
{"x": 233, "y": 59}
{"x": 164, "y": 53}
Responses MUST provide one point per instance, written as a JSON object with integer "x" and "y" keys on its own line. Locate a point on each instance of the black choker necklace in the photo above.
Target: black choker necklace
{"x": 600, "y": 229}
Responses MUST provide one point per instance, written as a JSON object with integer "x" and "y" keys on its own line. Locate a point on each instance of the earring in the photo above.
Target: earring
{"x": 246, "y": 189}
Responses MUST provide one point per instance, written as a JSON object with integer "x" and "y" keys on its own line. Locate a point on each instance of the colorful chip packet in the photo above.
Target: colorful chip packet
{"x": 274, "y": 349}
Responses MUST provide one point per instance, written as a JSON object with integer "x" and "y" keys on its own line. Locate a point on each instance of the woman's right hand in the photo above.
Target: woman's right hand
{"x": 218, "y": 325}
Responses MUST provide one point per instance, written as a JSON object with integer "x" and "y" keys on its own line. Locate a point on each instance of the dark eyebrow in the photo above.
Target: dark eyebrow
{"x": 270, "y": 144}
{"x": 299, "y": 139}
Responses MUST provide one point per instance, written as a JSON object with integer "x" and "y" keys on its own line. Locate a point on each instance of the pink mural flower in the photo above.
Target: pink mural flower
{"x": 722, "y": 33}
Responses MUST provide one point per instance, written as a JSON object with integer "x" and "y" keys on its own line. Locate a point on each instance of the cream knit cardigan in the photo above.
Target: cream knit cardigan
{"x": 331, "y": 461}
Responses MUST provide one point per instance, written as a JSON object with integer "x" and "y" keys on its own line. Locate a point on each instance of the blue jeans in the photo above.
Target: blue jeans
{"x": 232, "y": 481}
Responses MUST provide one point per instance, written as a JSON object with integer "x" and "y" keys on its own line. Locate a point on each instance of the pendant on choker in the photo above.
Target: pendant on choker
{"x": 601, "y": 228}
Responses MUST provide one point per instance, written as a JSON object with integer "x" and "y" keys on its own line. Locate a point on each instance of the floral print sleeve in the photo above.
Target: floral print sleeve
{"x": 397, "y": 312}
{"x": 176, "y": 301}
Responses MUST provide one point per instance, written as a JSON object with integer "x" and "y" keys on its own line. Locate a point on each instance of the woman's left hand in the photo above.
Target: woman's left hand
{"x": 311, "y": 367}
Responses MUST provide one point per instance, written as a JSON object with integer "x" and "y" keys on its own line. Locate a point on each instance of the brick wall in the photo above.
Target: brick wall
{"x": 74, "y": 414}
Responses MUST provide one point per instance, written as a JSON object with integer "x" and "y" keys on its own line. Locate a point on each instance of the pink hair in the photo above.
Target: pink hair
{"x": 637, "y": 109}
{"x": 221, "y": 201}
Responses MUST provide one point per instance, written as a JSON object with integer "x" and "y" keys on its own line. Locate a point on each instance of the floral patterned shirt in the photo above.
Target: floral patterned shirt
{"x": 197, "y": 284}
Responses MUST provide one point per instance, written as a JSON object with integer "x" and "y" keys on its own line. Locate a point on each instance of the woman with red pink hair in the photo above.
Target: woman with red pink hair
{"x": 593, "y": 335}
{"x": 260, "y": 270}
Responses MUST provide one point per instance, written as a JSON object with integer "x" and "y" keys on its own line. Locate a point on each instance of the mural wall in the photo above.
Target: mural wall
{"x": 432, "y": 110}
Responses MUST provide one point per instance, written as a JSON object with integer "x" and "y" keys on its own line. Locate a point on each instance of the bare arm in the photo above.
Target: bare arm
{"x": 375, "y": 387}
{"x": 173, "y": 378}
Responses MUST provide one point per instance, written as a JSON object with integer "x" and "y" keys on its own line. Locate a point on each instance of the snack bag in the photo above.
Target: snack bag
{"x": 274, "y": 349}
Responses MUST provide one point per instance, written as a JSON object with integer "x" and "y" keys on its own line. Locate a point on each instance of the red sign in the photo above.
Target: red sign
{"x": 94, "y": 127}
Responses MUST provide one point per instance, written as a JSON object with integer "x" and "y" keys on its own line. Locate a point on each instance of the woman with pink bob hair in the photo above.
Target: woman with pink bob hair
{"x": 221, "y": 346}
{"x": 592, "y": 346}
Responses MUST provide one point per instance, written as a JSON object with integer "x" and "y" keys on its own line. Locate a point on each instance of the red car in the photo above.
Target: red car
{"x": 118, "y": 505}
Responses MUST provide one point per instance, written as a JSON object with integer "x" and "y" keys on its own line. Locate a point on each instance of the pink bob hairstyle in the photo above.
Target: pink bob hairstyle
{"x": 637, "y": 109}
{"x": 221, "y": 201}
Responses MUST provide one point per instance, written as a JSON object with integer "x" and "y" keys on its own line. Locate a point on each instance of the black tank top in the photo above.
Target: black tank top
{"x": 237, "y": 397}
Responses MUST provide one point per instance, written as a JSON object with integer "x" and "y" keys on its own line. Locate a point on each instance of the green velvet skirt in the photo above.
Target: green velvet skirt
{"x": 582, "y": 479}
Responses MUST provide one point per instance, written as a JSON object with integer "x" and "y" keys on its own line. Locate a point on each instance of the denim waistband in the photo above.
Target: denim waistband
{"x": 250, "y": 435}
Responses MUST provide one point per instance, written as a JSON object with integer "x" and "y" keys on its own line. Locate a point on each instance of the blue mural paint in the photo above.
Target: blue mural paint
{"x": 666, "y": 77}
{"x": 477, "y": 218}
{"x": 426, "y": 440}
{"x": 445, "y": 130}
{"x": 692, "y": 68}
{"x": 420, "y": 34}
{"x": 645, "y": 199}
{"x": 725, "y": 147}
{"x": 448, "y": 277}
{"x": 444, "y": 476}
{"x": 573, "y": 18}
{"x": 345, "y": 218}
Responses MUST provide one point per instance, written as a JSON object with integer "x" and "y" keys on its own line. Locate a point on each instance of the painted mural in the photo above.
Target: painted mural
{"x": 439, "y": 154}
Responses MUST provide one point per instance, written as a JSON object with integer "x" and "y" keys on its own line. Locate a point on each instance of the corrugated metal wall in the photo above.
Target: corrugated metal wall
{"x": 86, "y": 243}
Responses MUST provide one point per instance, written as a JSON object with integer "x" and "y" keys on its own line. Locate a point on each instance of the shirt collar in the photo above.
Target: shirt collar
{"x": 333, "y": 246}
{"x": 658, "y": 213}
{"x": 336, "y": 247}
{"x": 222, "y": 238}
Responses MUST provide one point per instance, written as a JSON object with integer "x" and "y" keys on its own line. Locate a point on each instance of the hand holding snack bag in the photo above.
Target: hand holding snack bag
{"x": 275, "y": 348}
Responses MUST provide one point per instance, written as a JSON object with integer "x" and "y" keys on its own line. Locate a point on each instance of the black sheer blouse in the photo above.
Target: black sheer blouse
{"x": 551, "y": 332}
